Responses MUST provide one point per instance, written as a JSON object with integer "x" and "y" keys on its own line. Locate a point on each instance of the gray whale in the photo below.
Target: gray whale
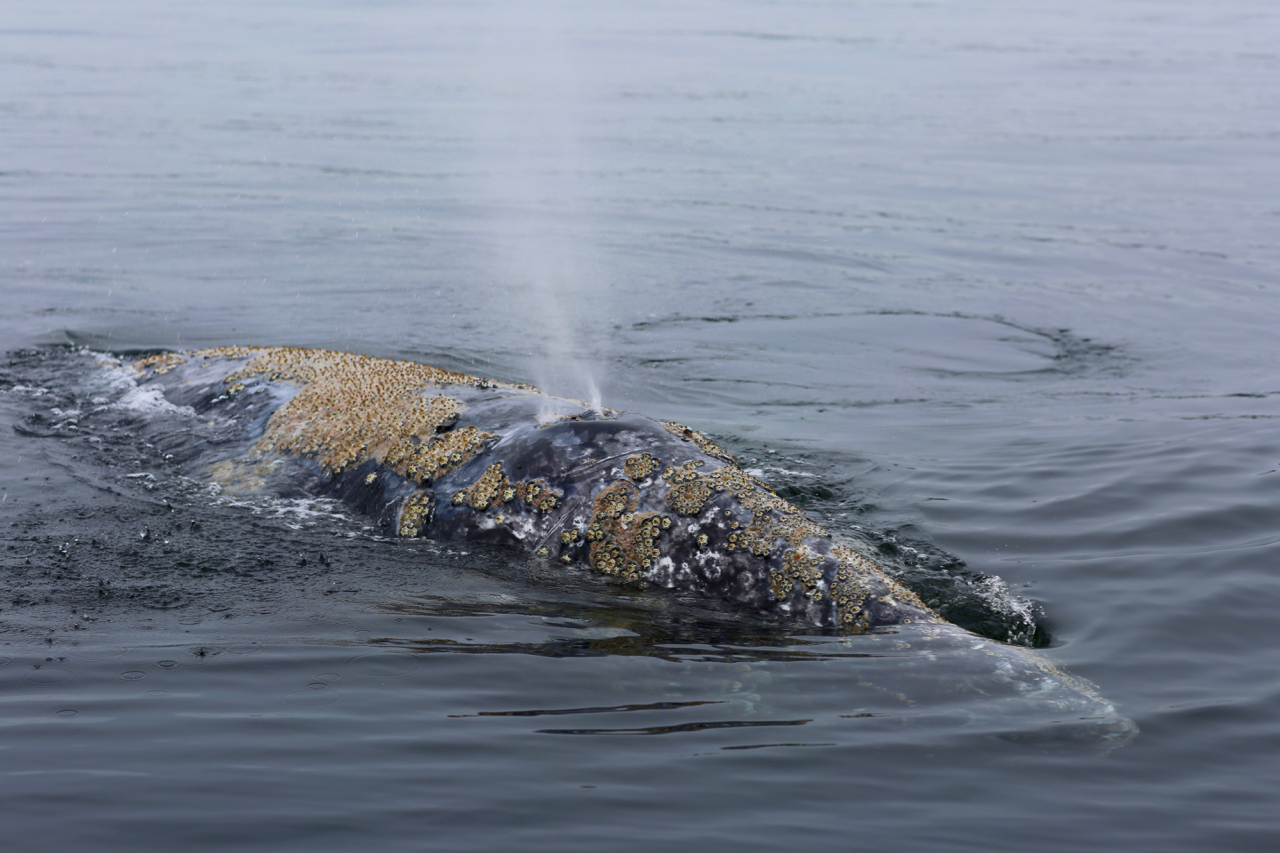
{"x": 445, "y": 455}
{"x": 434, "y": 453}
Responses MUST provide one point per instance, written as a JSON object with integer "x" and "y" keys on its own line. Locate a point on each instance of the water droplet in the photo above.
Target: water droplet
{"x": 48, "y": 675}
{"x": 133, "y": 675}
{"x": 67, "y": 712}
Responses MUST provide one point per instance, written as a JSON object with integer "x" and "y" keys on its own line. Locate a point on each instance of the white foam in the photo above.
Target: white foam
{"x": 28, "y": 389}
{"x": 150, "y": 401}
{"x": 297, "y": 513}
{"x": 764, "y": 473}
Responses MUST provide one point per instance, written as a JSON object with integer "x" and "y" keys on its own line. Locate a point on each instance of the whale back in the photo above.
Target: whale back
{"x": 435, "y": 453}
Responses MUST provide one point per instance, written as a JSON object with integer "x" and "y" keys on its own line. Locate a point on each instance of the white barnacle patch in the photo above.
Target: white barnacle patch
{"x": 523, "y": 527}
{"x": 663, "y": 573}
{"x": 706, "y": 557}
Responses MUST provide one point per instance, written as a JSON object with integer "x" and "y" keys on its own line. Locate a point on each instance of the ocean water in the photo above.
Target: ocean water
{"x": 989, "y": 287}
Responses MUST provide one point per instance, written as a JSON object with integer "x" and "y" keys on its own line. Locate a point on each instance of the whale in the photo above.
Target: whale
{"x": 645, "y": 503}
{"x": 444, "y": 455}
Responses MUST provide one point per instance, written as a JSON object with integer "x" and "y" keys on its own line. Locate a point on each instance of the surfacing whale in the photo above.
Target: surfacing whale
{"x": 435, "y": 453}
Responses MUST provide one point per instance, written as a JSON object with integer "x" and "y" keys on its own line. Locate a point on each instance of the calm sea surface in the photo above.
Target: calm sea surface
{"x": 990, "y": 286}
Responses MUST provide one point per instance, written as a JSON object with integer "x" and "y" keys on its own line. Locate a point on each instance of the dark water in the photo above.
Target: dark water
{"x": 993, "y": 285}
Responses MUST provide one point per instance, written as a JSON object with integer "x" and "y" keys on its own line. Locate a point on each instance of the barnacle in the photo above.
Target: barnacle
{"x": 639, "y": 466}
{"x": 415, "y": 513}
{"x": 853, "y": 587}
{"x": 493, "y": 488}
{"x": 622, "y": 541}
{"x": 703, "y": 443}
{"x": 350, "y": 409}
{"x": 159, "y": 363}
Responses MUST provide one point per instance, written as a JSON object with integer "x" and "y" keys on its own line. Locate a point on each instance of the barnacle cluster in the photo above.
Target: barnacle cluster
{"x": 799, "y": 566}
{"x": 353, "y": 408}
{"x": 689, "y": 491}
{"x": 853, "y": 587}
{"x": 493, "y": 487}
{"x": 639, "y": 466}
{"x": 623, "y": 542}
{"x": 772, "y": 518}
{"x": 490, "y": 487}
{"x": 774, "y": 521}
{"x": 158, "y": 364}
{"x": 704, "y": 444}
{"x": 415, "y": 512}
{"x": 538, "y": 494}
